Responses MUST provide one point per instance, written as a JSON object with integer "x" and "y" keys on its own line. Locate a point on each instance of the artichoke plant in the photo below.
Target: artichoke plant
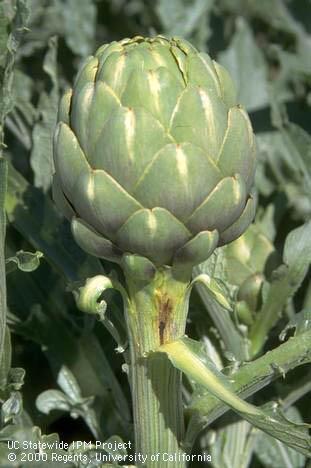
{"x": 154, "y": 165}
{"x": 153, "y": 155}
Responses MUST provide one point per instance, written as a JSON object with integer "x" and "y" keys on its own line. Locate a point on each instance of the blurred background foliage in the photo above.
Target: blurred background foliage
{"x": 75, "y": 382}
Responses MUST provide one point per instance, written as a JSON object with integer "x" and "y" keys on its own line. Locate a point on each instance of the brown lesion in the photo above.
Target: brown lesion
{"x": 165, "y": 308}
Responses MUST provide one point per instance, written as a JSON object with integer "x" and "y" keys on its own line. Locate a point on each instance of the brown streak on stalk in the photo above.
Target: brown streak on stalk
{"x": 165, "y": 309}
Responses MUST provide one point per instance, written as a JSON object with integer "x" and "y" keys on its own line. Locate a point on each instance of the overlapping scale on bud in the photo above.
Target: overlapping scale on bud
{"x": 249, "y": 261}
{"x": 153, "y": 156}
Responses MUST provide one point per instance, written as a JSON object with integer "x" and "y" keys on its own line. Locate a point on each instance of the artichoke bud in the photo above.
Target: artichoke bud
{"x": 244, "y": 314}
{"x": 250, "y": 291}
{"x": 249, "y": 262}
{"x": 153, "y": 155}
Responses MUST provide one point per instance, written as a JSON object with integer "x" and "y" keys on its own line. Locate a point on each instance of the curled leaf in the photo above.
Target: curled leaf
{"x": 24, "y": 261}
{"x": 216, "y": 289}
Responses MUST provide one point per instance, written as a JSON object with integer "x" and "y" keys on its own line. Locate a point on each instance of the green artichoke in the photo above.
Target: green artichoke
{"x": 153, "y": 155}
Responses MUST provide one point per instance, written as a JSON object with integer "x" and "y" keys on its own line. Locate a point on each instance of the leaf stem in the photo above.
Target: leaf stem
{"x": 249, "y": 379}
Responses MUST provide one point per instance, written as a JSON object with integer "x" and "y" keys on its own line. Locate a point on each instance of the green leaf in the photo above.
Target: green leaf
{"x": 12, "y": 407}
{"x": 24, "y": 113}
{"x": 185, "y": 356}
{"x": 15, "y": 379}
{"x": 301, "y": 322}
{"x": 272, "y": 452}
{"x": 284, "y": 163}
{"x": 216, "y": 288}
{"x": 294, "y": 66}
{"x": 244, "y": 59}
{"x": 25, "y": 261}
{"x": 70, "y": 401}
{"x": 42, "y": 151}
{"x": 181, "y": 18}
{"x": 23, "y": 87}
{"x": 79, "y": 22}
{"x": 300, "y": 143}
{"x": 3, "y": 183}
{"x": 281, "y": 20}
{"x": 233, "y": 340}
{"x": 68, "y": 383}
{"x": 6, "y": 358}
{"x": 232, "y": 446}
{"x": 285, "y": 282}
{"x": 13, "y": 20}
{"x": 52, "y": 400}
{"x": 297, "y": 250}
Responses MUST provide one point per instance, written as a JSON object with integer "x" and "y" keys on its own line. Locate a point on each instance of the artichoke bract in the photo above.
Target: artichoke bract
{"x": 153, "y": 155}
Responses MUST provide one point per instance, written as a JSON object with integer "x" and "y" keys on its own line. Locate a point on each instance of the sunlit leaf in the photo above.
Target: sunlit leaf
{"x": 246, "y": 64}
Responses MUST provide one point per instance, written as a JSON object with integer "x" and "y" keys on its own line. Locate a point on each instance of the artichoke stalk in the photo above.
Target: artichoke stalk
{"x": 154, "y": 163}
